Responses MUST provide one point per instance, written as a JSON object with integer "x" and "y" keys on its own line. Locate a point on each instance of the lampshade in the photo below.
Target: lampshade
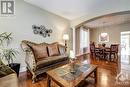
{"x": 72, "y": 55}
{"x": 65, "y": 37}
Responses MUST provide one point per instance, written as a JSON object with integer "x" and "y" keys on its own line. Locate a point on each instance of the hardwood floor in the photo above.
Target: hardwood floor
{"x": 107, "y": 74}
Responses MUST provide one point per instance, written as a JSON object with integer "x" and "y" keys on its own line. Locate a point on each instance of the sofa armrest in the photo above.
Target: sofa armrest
{"x": 30, "y": 58}
{"x": 25, "y": 47}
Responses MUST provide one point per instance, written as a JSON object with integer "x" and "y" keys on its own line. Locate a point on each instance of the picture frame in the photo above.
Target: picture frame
{"x": 104, "y": 37}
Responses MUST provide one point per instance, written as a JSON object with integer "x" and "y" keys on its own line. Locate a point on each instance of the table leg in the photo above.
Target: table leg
{"x": 95, "y": 75}
{"x": 48, "y": 81}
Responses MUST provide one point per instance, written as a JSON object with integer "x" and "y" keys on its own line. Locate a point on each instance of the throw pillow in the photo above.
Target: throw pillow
{"x": 53, "y": 49}
{"x": 40, "y": 51}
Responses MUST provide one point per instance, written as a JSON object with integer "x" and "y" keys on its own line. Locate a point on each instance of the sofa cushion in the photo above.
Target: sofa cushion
{"x": 51, "y": 60}
{"x": 53, "y": 49}
{"x": 61, "y": 49}
{"x": 40, "y": 51}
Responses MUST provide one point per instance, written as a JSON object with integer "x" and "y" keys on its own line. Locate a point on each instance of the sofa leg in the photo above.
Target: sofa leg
{"x": 27, "y": 70}
{"x": 33, "y": 78}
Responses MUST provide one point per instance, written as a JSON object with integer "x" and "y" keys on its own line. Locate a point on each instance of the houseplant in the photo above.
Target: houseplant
{"x": 7, "y": 53}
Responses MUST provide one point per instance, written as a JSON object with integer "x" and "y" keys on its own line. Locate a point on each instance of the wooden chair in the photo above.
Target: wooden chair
{"x": 107, "y": 53}
{"x": 114, "y": 50}
{"x": 102, "y": 51}
{"x": 94, "y": 51}
{"x": 99, "y": 45}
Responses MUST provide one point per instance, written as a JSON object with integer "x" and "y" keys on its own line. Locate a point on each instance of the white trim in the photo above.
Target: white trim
{"x": 88, "y": 40}
{"x": 125, "y": 32}
{"x": 74, "y": 50}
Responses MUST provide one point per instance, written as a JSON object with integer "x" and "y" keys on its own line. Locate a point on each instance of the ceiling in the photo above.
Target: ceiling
{"x": 107, "y": 20}
{"x": 74, "y": 9}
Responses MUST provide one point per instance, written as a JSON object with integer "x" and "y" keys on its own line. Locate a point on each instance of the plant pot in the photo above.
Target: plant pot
{"x": 15, "y": 67}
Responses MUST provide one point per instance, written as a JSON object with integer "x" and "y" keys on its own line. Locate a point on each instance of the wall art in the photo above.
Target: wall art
{"x": 41, "y": 30}
{"x": 104, "y": 37}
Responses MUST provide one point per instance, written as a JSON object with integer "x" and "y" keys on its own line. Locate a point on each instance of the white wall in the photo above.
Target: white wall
{"x": 21, "y": 26}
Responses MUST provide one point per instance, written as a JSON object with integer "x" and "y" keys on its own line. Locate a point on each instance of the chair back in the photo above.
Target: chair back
{"x": 99, "y": 45}
{"x": 92, "y": 48}
{"x": 114, "y": 48}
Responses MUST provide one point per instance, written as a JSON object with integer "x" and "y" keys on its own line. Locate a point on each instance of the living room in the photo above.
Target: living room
{"x": 64, "y": 24}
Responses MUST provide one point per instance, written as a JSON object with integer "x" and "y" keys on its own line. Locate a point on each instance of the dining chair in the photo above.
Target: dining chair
{"x": 94, "y": 51}
{"x": 107, "y": 53}
{"x": 102, "y": 52}
{"x": 99, "y": 45}
{"x": 114, "y": 50}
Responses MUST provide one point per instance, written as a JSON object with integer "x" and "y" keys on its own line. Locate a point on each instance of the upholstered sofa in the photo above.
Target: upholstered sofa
{"x": 43, "y": 56}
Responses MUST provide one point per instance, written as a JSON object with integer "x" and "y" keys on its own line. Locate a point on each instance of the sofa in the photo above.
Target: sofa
{"x": 41, "y": 57}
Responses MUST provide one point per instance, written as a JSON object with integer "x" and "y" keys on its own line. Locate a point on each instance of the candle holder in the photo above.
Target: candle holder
{"x": 72, "y": 61}
{"x": 72, "y": 66}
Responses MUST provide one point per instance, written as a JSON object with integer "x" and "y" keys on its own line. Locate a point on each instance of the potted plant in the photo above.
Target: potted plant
{"x": 6, "y": 53}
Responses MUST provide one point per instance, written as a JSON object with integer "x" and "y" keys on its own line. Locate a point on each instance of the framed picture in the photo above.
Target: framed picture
{"x": 104, "y": 37}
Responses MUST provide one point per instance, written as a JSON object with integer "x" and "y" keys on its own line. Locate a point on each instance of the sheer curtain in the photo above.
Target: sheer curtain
{"x": 84, "y": 40}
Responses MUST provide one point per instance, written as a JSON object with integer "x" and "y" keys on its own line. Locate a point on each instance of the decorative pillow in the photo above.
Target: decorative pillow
{"x": 61, "y": 49}
{"x": 40, "y": 51}
{"x": 53, "y": 49}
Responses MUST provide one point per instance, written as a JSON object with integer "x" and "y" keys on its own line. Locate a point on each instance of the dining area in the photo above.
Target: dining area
{"x": 103, "y": 52}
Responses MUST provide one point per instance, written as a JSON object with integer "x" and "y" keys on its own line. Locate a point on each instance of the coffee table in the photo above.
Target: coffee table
{"x": 63, "y": 77}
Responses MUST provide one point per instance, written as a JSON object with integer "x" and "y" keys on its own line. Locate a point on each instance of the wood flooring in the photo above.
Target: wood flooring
{"x": 107, "y": 75}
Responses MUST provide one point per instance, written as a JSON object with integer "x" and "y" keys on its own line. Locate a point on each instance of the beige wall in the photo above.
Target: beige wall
{"x": 21, "y": 26}
{"x": 113, "y": 32}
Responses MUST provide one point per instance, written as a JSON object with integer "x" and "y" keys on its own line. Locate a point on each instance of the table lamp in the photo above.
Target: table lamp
{"x": 65, "y": 38}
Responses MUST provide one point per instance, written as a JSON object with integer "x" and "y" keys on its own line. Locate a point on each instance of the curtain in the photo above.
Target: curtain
{"x": 84, "y": 40}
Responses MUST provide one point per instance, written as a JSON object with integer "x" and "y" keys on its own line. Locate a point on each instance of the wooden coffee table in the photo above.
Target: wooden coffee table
{"x": 64, "y": 78}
